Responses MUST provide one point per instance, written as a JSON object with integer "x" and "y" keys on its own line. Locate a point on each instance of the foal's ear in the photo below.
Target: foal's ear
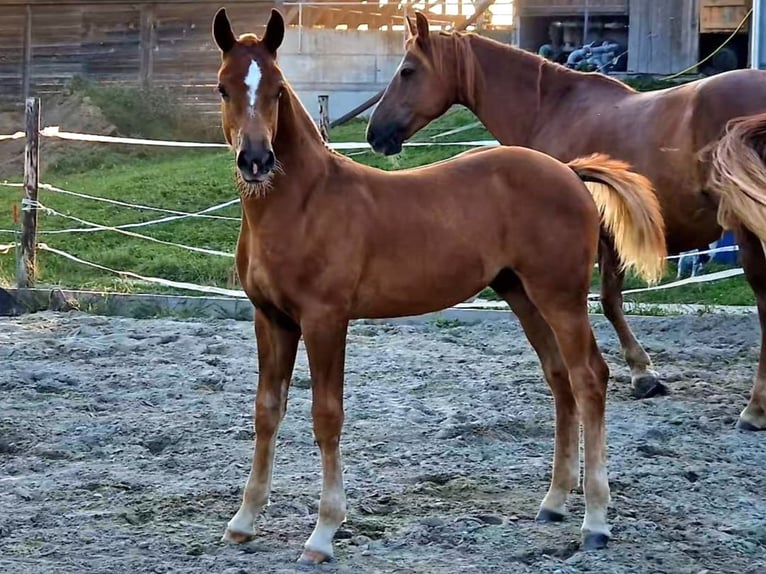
{"x": 422, "y": 26}
{"x": 410, "y": 25}
{"x": 275, "y": 32}
{"x": 222, "y": 32}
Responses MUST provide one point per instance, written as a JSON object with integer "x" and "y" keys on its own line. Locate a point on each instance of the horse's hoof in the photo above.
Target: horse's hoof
{"x": 545, "y": 515}
{"x": 648, "y": 386}
{"x": 746, "y": 426}
{"x": 313, "y": 558}
{"x": 233, "y": 537}
{"x": 594, "y": 540}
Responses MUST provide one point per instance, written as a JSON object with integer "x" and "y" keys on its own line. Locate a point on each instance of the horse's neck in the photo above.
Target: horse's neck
{"x": 301, "y": 156}
{"x": 507, "y": 95}
{"x": 298, "y": 145}
{"x": 519, "y": 91}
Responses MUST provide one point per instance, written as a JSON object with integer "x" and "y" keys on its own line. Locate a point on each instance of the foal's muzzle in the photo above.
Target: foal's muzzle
{"x": 255, "y": 163}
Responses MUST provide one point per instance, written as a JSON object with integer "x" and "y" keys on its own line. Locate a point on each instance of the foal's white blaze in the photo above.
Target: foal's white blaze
{"x": 252, "y": 80}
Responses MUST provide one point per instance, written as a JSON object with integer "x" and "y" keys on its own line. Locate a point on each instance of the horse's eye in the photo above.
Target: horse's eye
{"x": 223, "y": 92}
{"x": 407, "y": 72}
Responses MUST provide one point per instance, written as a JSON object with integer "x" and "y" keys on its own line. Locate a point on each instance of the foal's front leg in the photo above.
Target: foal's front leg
{"x": 277, "y": 346}
{"x": 325, "y": 341}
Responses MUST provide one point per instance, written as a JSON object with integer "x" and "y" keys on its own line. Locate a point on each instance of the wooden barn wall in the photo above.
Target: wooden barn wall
{"x": 164, "y": 44}
{"x": 664, "y": 36}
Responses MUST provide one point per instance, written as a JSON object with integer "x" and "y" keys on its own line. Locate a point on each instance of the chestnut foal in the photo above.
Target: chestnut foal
{"x": 325, "y": 240}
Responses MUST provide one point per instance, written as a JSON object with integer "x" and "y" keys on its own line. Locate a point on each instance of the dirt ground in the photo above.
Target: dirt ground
{"x": 124, "y": 446}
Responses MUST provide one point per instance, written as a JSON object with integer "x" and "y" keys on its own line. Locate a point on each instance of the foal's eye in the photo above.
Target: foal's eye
{"x": 222, "y": 91}
{"x": 407, "y": 72}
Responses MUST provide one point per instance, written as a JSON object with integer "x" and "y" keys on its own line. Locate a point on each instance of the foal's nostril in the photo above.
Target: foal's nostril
{"x": 267, "y": 164}
{"x": 243, "y": 162}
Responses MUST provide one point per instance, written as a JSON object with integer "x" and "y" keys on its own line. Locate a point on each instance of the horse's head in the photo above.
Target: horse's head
{"x": 421, "y": 90}
{"x": 250, "y": 84}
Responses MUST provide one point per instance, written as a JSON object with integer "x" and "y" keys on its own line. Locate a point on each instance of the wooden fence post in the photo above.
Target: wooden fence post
{"x": 324, "y": 117}
{"x": 25, "y": 273}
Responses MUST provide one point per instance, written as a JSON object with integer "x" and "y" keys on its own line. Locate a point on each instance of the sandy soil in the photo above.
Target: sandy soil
{"x": 124, "y": 445}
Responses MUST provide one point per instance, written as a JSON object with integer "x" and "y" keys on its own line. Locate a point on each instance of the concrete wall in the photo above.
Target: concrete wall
{"x": 349, "y": 66}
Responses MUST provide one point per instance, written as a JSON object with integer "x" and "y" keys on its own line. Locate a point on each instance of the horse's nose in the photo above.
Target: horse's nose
{"x": 255, "y": 163}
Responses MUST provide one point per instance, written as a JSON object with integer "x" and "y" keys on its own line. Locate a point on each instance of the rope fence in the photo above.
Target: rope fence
{"x": 31, "y": 203}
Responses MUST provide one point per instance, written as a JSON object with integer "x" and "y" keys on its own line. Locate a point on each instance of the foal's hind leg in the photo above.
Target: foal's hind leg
{"x": 645, "y": 381}
{"x": 753, "y": 418}
{"x": 566, "y": 454}
{"x": 564, "y": 308}
{"x": 588, "y": 375}
{"x": 277, "y": 347}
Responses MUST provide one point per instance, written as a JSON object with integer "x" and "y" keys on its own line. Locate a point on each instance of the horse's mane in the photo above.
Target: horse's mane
{"x": 464, "y": 63}
{"x": 462, "y": 42}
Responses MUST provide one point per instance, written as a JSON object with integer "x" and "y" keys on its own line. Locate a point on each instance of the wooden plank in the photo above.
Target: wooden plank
{"x": 27, "y": 60}
{"x": 723, "y": 15}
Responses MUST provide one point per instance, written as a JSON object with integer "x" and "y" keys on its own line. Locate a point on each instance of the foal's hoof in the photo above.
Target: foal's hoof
{"x": 545, "y": 515}
{"x": 594, "y": 540}
{"x": 648, "y": 386}
{"x": 746, "y": 426}
{"x": 234, "y": 537}
{"x": 313, "y": 557}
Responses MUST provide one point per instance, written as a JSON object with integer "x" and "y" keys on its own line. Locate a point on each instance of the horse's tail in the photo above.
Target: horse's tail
{"x": 738, "y": 174}
{"x": 630, "y": 212}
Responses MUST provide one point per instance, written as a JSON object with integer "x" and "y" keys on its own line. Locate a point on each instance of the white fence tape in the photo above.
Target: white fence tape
{"x": 155, "y": 280}
{"x": 723, "y": 249}
{"x": 6, "y": 248}
{"x": 200, "y": 214}
{"x": 99, "y": 227}
{"x": 54, "y": 132}
{"x": 15, "y": 136}
{"x": 129, "y": 225}
{"x": 716, "y": 276}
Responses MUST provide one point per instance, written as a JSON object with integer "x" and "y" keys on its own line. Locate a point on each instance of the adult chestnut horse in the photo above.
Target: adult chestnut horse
{"x": 325, "y": 240}
{"x": 523, "y": 99}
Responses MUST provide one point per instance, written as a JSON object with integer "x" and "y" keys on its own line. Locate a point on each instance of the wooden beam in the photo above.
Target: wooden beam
{"x": 479, "y": 8}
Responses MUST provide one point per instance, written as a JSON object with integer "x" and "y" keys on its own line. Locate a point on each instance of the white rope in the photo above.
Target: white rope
{"x": 10, "y": 184}
{"x": 6, "y": 248}
{"x": 128, "y": 225}
{"x": 99, "y": 227}
{"x": 14, "y": 136}
{"x": 156, "y": 280}
{"x": 49, "y": 187}
{"x": 54, "y": 132}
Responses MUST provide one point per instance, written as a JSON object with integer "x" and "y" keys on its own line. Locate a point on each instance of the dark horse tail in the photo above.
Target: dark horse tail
{"x": 630, "y": 212}
{"x": 738, "y": 174}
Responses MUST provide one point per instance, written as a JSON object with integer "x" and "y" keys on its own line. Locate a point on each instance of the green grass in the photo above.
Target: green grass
{"x": 189, "y": 180}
